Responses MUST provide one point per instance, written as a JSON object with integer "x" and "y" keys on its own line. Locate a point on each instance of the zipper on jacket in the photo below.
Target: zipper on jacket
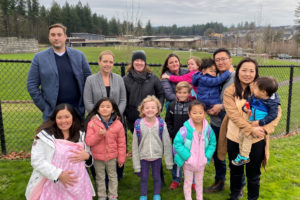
{"x": 151, "y": 142}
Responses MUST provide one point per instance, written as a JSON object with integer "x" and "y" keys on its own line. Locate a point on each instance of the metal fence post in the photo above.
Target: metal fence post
{"x": 288, "y": 115}
{"x": 3, "y": 145}
{"x": 123, "y": 69}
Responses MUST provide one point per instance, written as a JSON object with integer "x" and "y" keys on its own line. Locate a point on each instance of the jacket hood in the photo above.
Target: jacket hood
{"x": 274, "y": 99}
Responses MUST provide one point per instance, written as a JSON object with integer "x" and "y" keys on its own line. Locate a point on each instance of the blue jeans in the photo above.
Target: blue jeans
{"x": 220, "y": 166}
{"x": 175, "y": 176}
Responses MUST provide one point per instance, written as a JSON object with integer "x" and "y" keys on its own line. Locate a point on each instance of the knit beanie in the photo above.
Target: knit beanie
{"x": 138, "y": 55}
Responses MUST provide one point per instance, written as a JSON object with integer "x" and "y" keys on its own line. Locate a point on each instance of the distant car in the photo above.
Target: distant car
{"x": 284, "y": 56}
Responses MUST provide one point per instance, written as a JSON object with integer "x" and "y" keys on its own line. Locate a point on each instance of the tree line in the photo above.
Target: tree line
{"x": 27, "y": 18}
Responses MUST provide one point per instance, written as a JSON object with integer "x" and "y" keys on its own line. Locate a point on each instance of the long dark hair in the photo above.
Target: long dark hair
{"x": 239, "y": 91}
{"x": 51, "y": 127}
{"x": 116, "y": 112}
{"x": 165, "y": 68}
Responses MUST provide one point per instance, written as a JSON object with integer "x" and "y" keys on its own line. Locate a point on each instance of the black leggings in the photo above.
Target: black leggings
{"x": 252, "y": 169}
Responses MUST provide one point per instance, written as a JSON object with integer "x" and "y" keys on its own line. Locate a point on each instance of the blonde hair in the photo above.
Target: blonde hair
{"x": 183, "y": 84}
{"x": 197, "y": 61}
{"x": 106, "y": 52}
{"x": 58, "y": 26}
{"x": 149, "y": 98}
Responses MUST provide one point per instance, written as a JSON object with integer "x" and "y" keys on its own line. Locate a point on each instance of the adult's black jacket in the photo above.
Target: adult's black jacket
{"x": 138, "y": 86}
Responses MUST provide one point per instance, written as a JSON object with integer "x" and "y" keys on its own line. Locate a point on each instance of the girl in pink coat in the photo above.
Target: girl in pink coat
{"x": 106, "y": 136}
{"x": 193, "y": 64}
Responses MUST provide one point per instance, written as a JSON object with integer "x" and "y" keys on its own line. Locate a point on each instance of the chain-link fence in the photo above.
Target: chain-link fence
{"x": 19, "y": 117}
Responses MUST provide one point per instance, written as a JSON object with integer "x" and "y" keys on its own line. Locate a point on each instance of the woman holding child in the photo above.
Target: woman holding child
{"x": 236, "y": 123}
{"x": 59, "y": 157}
{"x": 171, "y": 66}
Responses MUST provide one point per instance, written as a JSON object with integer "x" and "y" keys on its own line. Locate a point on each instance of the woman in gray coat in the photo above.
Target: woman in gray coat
{"x": 105, "y": 83}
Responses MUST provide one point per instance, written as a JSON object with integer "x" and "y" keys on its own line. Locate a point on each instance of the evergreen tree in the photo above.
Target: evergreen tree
{"x": 21, "y": 9}
{"x": 113, "y": 27}
{"x": 139, "y": 29}
{"x": 5, "y": 13}
{"x": 148, "y": 28}
{"x": 66, "y": 18}
{"x": 29, "y": 8}
{"x": 79, "y": 13}
{"x": 87, "y": 18}
{"x": 55, "y": 14}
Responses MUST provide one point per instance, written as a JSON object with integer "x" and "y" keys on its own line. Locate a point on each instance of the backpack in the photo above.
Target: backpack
{"x": 137, "y": 126}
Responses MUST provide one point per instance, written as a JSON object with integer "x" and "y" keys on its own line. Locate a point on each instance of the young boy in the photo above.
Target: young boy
{"x": 263, "y": 109}
{"x": 176, "y": 115}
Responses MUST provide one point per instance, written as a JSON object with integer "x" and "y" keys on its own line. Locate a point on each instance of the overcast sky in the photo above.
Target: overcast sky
{"x": 189, "y": 12}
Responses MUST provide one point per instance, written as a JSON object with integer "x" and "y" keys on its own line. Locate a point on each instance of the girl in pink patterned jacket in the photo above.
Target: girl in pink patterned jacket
{"x": 106, "y": 136}
{"x": 193, "y": 64}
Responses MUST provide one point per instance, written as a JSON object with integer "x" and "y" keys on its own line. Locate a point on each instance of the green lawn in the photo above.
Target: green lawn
{"x": 281, "y": 180}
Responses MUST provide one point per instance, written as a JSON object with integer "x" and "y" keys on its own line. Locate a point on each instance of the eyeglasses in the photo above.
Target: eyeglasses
{"x": 220, "y": 59}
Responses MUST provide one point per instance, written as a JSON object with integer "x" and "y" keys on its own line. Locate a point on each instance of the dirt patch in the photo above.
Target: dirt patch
{"x": 284, "y": 135}
{"x": 15, "y": 156}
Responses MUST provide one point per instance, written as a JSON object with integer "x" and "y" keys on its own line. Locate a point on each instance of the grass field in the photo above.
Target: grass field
{"x": 281, "y": 180}
{"x": 20, "y": 120}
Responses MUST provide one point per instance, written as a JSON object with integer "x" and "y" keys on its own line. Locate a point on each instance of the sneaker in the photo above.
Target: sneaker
{"x": 113, "y": 198}
{"x": 156, "y": 197}
{"x": 102, "y": 198}
{"x": 143, "y": 198}
{"x": 174, "y": 185}
{"x": 216, "y": 187}
{"x": 193, "y": 187}
{"x": 240, "y": 160}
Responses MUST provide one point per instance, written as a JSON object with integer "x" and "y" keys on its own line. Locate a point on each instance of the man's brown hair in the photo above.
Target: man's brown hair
{"x": 58, "y": 26}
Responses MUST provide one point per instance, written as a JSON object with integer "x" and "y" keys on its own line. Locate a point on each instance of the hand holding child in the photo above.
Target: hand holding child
{"x": 67, "y": 179}
{"x": 79, "y": 156}
{"x": 166, "y": 76}
{"x": 255, "y": 123}
{"x": 248, "y": 111}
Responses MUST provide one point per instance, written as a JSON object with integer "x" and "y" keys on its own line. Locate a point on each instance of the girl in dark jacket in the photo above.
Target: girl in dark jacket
{"x": 139, "y": 83}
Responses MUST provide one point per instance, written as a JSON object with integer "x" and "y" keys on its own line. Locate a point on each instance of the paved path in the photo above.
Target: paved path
{"x": 286, "y": 82}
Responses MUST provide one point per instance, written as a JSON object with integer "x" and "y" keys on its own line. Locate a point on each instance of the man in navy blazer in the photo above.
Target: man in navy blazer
{"x": 57, "y": 75}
